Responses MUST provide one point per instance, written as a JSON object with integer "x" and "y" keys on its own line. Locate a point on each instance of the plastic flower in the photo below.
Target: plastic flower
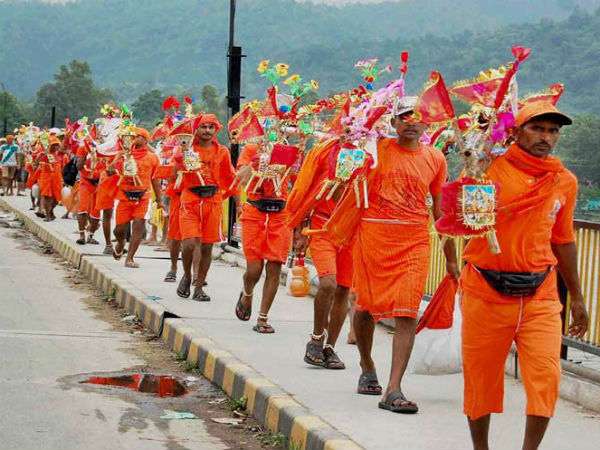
{"x": 314, "y": 84}
{"x": 263, "y": 66}
{"x": 282, "y": 69}
{"x": 293, "y": 79}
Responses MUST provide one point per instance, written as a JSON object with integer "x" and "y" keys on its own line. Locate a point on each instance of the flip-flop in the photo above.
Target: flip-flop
{"x": 183, "y": 290}
{"x": 117, "y": 255}
{"x": 263, "y": 328}
{"x": 405, "y": 406}
{"x": 132, "y": 265}
{"x": 171, "y": 277}
{"x": 368, "y": 384}
{"x": 200, "y": 296}
{"x": 92, "y": 241}
{"x": 81, "y": 241}
{"x": 108, "y": 250}
{"x": 241, "y": 312}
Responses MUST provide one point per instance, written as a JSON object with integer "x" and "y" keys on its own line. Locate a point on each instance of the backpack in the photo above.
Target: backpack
{"x": 70, "y": 172}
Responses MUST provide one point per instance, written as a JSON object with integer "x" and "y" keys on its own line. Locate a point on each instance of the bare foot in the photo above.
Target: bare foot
{"x": 131, "y": 264}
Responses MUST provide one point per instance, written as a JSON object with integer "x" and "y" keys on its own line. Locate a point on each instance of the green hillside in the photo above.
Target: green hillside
{"x": 135, "y": 46}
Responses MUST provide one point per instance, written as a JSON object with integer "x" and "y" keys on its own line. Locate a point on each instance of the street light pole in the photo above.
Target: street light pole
{"x": 234, "y": 76}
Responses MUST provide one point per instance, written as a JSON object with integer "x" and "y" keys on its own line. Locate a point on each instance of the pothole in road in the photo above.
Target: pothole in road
{"x": 160, "y": 385}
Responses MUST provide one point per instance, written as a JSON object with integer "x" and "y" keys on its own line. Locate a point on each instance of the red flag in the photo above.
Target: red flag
{"x": 284, "y": 154}
{"x": 239, "y": 119}
{"x": 520, "y": 54}
{"x": 480, "y": 91}
{"x": 250, "y": 130}
{"x": 552, "y": 95}
{"x": 404, "y": 63}
{"x": 434, "y": 104}
{"x": 335, "y": 125}
{"x": 439, "y": 314}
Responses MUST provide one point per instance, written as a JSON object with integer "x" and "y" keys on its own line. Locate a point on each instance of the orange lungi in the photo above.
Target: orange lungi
{"x": 107, "y": 192}
{"x": 87, "y": 199}
{"x": 128, "y": 211}
{"x": 488, "y": 330}
{"x": 391, "y": 264}
{"x": 329, "y": 259}
{"x": 174, "y": 230}
{"x": 265, "y": 236}
{"x": 201, "y": 220}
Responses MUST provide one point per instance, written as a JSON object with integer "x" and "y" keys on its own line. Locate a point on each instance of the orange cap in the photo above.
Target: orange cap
{"x": 53, "y": 140}
{"x": 537, "y": 109}
{"x": 139, "y": 131}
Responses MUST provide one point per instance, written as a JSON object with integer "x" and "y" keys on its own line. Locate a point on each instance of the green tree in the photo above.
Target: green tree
{"x": 147, "y": 109}
{"x": 12, "y": 112}
{"x": 579, "y": 148}
{"x": 73, "y": 93}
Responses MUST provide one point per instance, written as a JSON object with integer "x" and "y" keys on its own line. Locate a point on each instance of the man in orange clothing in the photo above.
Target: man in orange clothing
{"x": 512, "y": 296}
{"x": 333, "y": 264}
{"x": 391, "y": 250}
{"x": 88, "y": 216}
{"x": 106, "y": 195}
{"x": 266, "y": 238}
{"x": 136, "y": 172}
{"x": 201, "y": 203}
{"x": 50, "y": 177}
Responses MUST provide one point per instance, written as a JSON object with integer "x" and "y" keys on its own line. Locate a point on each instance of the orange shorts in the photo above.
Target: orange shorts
{"x": 107, "y": 192}
{"x": 128, "y": 211}
{"x": 174, "y": 231}
{"x": 201, "y": 220}
{"x": 265, "y": 236}
{"x": 87, "y": 199}
{"x": 330, "y": 260}
{"x": 488, "y": 331}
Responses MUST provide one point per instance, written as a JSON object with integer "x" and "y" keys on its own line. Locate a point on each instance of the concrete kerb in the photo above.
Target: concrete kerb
{"x": 273, "y": 407}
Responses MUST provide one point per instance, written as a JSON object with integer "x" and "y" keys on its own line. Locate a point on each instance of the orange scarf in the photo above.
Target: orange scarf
{"x": 545, "y": 169}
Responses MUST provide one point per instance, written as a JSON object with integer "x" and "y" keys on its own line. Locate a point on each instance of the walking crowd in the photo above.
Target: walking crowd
{"x": 357, "y": 182}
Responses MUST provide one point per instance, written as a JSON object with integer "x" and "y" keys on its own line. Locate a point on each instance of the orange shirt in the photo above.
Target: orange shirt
{"x": 249, "y": 157}
{"x": 216, "y": 169}
{"x": 46, "y": 167}
{"x": 402, "y": 180}
{"x": 147, "y": 163}
{"x": 525, "y": 239}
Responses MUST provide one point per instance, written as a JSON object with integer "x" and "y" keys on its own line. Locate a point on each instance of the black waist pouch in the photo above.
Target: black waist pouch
{"x": 134, "y": 196}
{"x": 205, "y": 191}
{"x": 514, "y": 284}
{"x": 268, "y": 205}
{"x": 93, "y": 181}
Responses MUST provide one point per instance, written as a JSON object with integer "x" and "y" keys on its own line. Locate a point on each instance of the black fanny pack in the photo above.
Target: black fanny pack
{"x": 268, "y": 205}
{"x": 205, "y": 191}
{"x": 134, "y": 196}
{"x": 514, "y": 284}
{"x": 93, "y": 181}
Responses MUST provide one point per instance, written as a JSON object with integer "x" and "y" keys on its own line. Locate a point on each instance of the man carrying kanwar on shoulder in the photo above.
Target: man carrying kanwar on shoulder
{"x": 392, "y": 247}
{"x": 534, "y": 224}
{"x": 310, "y": 206}
{"x": 50, "y": 179}
{"x": 266, "y": 236}
{"x": 88, "y": 216}
{"x": 205, "y": 175}
{"x": 136, "y": 168}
